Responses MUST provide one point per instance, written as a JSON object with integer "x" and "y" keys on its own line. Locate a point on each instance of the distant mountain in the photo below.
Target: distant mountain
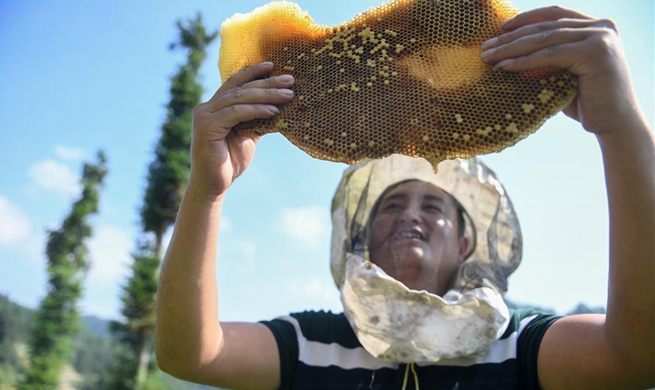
{"x": 515, "y": 305}
{"x": 584, "y": 309}
{"x": 94, "y": 350}
{"x": 580, "y": 309}
{"x": 97, "y": 326}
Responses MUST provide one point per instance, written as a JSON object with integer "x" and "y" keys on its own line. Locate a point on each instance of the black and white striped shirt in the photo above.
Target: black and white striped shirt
{"x": 319, "y": 350}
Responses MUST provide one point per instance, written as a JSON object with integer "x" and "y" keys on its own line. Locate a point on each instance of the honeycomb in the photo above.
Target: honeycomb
{"x": 405, "y": 77}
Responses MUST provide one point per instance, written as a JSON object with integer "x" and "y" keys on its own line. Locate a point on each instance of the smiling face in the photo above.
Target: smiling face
{"x": 415, "y": 236}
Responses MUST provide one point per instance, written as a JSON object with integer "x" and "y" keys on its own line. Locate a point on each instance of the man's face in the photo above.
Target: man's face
{"x": 415, "y": 239}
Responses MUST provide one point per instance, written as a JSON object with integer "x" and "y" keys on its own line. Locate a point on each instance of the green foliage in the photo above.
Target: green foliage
{"x": 16, "y": 322}
{"x": 122, "y": 374}
{"x": 138, "y": 309}
{"x": 168, "y": 175}
{"x": 57, "y": 319}
{"x": 169, "y": 171}
{"x": 94, "y": 357}
{"x": 138, "y": 304}
{"x": 95, "y": 354}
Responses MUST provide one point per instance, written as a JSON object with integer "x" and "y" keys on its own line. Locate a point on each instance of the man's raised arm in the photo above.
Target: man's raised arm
{"x": 616, "y": 351}
{"x": 191, "y": 342}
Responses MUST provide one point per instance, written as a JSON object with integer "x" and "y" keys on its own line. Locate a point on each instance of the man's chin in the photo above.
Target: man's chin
{"x": 410, "y": 254}
{"x": 407, "y": 263}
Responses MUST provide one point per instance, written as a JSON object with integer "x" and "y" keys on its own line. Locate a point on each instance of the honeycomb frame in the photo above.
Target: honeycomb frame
{"x": 405, "y": 77}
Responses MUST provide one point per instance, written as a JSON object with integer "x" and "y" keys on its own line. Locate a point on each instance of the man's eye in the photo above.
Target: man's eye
{"x": 434, "y": 208}
{"x": 391, "y": 206}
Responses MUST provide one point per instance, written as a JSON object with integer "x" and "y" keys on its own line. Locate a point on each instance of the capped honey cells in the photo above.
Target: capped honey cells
{"x": 405, "y": 77}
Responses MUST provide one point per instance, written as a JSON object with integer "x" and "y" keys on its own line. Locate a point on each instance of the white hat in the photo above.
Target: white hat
{"x": 395, "y": 323}
{"x": 497, "y": 232}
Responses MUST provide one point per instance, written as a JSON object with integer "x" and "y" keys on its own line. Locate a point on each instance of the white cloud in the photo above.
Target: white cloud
{"x": 109, "y": 254}
{"x": 226, "y": 224}
{"x": 110, "y": 258}
{"x": 313, "y": 288}
{"x": 100, "y": 309}
{"x": 308, "y": 225}
{"x": 247, "y": 260}
{"x": 250, "y": 291}
{"x": 16, "y": 230}
{"x": 248, "y": 249}
{"x": 34, "y": 247}
{"x": 69, "y": 154}
{"x": 54, "y": 176}
{"x": 14, "y": 225}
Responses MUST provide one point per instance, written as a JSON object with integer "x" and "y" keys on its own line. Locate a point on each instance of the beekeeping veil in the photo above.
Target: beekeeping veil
{"x": 395, "y": 323}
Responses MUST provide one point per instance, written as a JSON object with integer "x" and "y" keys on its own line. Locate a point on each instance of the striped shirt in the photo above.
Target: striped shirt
{"x": 319, "y": 351}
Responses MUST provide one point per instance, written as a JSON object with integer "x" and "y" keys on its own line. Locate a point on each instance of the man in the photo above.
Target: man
{"x": 395, "y": 221}
{"x": 616, "y": 351}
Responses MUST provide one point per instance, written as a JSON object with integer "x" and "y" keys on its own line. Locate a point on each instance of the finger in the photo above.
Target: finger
{"x": 542, "y": 15}
{"x": 535, "y": 42}
{"x": 572, "y": 110}
{"x": 237, "y": 141}
{"x": 241, "y": 95}
{"x": 544, "y": 28}
{"x": 230, "y": 116}
{"x": 242, "y": 150}
{"x": 283, "y": 81}
{"x": 560, "y": 57}
{"x": 248, "y": 74}
{"x": 244, "y": 76}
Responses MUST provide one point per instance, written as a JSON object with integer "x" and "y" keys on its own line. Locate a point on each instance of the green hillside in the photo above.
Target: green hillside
{"x": 94, "y": 351}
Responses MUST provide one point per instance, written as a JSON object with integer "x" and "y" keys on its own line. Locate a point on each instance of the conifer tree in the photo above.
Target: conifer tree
{"x": 57, "y": 318}
{"x": 168, "y": 174}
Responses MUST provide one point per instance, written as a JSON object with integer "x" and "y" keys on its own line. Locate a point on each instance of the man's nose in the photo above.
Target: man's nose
{"x": 411, "y": 214}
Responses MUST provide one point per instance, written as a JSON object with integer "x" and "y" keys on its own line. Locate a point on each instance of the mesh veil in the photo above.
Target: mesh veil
{"x": 490, "y": 218}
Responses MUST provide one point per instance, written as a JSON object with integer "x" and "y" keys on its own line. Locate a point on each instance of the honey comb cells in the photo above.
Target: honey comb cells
{"x": 405, "y": 77}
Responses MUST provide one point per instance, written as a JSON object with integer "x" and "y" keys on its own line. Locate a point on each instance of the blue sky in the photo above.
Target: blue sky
{"x": 76, "y": 76}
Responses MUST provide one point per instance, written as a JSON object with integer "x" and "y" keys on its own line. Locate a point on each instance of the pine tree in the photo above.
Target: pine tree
{"x": 167, "y": 178}
{"x": 57, "y": 318}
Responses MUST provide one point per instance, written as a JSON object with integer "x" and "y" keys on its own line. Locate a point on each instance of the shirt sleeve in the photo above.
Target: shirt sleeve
{"x": 287, "y": 345}
{"x": 527, "y": 352}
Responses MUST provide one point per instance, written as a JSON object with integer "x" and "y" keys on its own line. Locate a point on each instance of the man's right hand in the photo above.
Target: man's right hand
{"x": 218, "y": 154}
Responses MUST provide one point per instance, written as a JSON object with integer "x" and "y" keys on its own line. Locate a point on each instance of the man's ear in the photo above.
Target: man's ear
{"x": 464, "y": 248}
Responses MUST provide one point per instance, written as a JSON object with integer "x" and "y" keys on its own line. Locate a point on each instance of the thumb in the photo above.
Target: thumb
{"x": 242, "y": 150}
{"x": 572, "y": 110}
